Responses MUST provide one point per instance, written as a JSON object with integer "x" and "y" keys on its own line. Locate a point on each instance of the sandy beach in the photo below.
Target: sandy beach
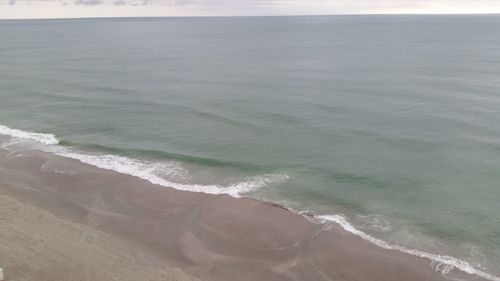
{"x": 63, "y": 220}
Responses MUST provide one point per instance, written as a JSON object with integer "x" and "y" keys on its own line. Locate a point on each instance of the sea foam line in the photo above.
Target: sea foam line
{"x": 37, "y": 137}
{"x": 143, "y": 170}
{"x": 146, "y": 171}
{"x": 443, "y": 259}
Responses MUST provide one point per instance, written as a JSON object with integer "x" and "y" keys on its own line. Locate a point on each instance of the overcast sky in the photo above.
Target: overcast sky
{"x": 91, "y": 8}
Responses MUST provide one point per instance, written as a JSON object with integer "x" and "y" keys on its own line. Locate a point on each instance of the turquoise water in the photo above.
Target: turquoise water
{"x": 393, "y": 121}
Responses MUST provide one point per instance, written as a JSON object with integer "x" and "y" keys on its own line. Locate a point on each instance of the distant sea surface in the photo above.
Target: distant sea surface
{"x": 392, "y": 122}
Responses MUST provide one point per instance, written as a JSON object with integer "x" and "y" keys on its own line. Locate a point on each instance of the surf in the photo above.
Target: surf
{"x": 150, "y": 171}
{"x": 154, "y": 172}
{"x": 30, "y": 136}
{"x": 442, "y": 263}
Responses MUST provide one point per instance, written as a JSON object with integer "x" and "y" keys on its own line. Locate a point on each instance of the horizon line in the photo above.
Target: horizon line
{"x": 250, "y": 16}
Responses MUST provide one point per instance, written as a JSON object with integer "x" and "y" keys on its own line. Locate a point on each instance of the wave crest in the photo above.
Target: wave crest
{"x": 149, "y": 171}
{"x": 443, "y": 263}
{"x": 30, "y": 136}
{"x": 153, "y": 172}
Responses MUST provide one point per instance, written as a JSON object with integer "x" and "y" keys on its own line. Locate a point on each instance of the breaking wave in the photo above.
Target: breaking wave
{"x": 441, "y": 263}
{"x": 157, "y": 172}
{"x": 37, "y": 137}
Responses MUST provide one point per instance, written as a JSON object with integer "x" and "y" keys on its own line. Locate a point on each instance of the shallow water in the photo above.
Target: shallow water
{"x": 392, "y": 120}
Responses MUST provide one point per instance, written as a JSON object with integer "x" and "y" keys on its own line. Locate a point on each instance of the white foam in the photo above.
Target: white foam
{"x": 443, "y": 263}
{"x": 375, "y": 222}
{"x": 36, "y": 137}
{"x": 149, "y": 171}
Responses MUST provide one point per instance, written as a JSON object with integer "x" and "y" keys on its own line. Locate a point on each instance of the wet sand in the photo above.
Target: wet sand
{"x": 64, "y": 220}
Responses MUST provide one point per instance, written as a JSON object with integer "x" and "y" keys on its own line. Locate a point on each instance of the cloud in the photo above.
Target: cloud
{"x": 86, "y": 8}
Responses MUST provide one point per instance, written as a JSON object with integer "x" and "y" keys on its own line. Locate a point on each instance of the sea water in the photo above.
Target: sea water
{"x": 388, "y": 125}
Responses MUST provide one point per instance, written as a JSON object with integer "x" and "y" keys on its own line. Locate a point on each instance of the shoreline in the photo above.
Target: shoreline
{"x": 202, "y": 233}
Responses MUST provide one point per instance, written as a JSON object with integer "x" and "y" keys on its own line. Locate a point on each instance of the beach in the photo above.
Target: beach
{"x": 36, "y": 245}
{"x": 357, "y": 120}
{"x": 253, "y": 148}
{"x": 93, "y": 224}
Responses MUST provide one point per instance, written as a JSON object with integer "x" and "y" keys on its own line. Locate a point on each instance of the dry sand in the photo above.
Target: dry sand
{"x": 36, "y": 245}
{"x": 91, "y": 224}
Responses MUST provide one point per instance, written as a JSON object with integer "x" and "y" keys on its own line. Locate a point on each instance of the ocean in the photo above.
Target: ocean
{"x": 389, "y": 125}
